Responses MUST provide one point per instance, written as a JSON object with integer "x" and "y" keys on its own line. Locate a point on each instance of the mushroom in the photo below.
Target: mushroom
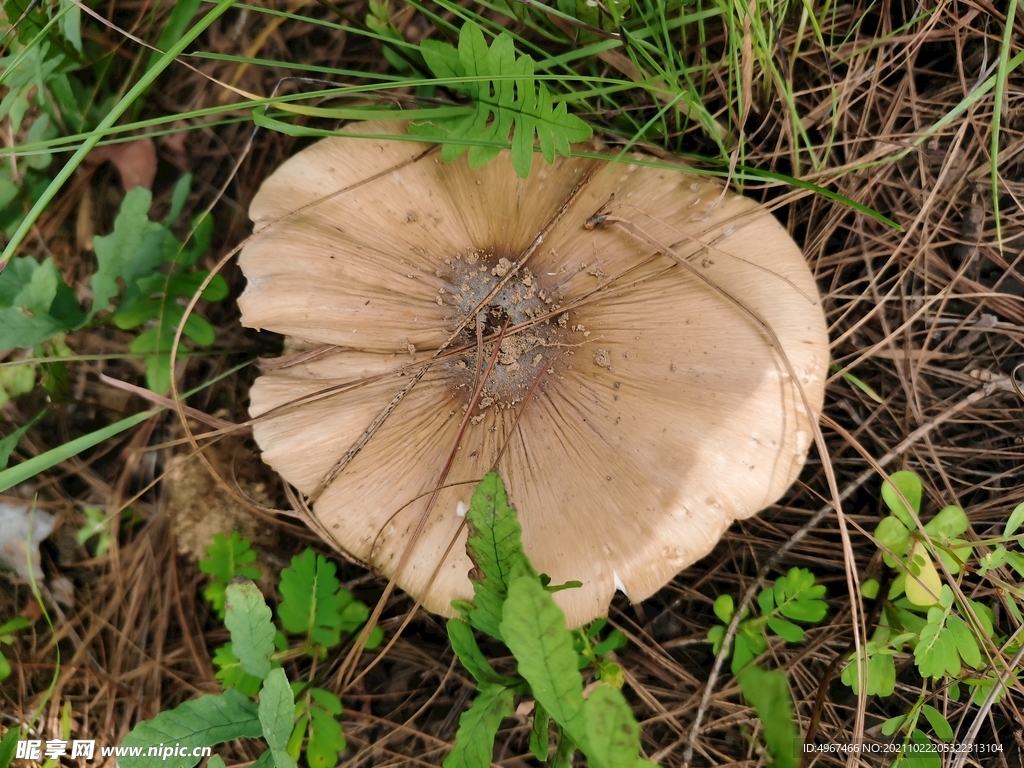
{"x": 657, "y": 377}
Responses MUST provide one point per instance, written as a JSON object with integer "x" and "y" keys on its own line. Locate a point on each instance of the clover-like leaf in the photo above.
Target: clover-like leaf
{"x": 908, "y": 485}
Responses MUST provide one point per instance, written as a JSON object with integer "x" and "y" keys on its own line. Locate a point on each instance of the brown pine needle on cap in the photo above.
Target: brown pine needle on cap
{"x": 664, "y": 413}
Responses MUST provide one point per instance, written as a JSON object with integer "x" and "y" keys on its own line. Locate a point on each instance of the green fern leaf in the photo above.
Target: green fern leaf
{"x": 506, "y": 98}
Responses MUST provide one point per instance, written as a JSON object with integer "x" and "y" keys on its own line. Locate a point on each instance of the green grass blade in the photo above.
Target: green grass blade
{"x": 119, "y": 109}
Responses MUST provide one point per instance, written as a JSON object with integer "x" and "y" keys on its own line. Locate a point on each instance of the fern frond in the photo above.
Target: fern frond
{"x": 506, "y": 98}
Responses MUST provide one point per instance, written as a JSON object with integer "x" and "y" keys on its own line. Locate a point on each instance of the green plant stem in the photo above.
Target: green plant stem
{"x": 94, "y": 137}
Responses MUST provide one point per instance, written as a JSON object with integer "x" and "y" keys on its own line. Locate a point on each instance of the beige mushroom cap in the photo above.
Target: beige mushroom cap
{"x": 663, "y": 412}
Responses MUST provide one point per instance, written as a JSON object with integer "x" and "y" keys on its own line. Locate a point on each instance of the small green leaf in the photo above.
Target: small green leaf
{"x": 768, "y": 692}
{"x": 939, "y": 723}
{"x": 894, "y": 536}
{"x": 116, "y": 251}
{"x": 1016, "y": 518}
{"x": 615, "y": 641}
{"x": 862, "y": 386}
{"x": 747, "y": 646}
{"x": 890, "y": 726}
{"x": 533, "y": 628}
{"x": 613, "y": 735}
{"x": 715, "y": 636}
{"x": 966, "y": 643}
{"x": 909, "y": 485}
{"x": 248, "y": 618}
{"x": 936, "y": 654}
{"x": 950, "y": 522}
{"x": 277, "y": 716}
{"x": 225, "y": 559}
{"x": 789, "y": 632}
{"x": 924, "y": 585}
{"x": 766, "y": 600}
{"x": 869, "y": 589}
{"x": 494, "y": 544}
{"x": 231, "y": 674}
{"x": 326, "y": 740}
{"x": 540, "y": 743}
{"x": 327, "y": 700}
{"x": 724, "y": 608}
{"x": 309, "y": 598}
{"x": 564, "y": 752}
{"x": 208, "y": 720}
{"x": 9, "y": 746}
{"x": 478, "y": 725}
{"x": 9, "y": 443}
{"x": 11, "y": 626}
{"x": 472, "y": 658}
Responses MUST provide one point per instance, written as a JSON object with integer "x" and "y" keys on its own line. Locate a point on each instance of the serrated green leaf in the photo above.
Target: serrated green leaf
{"x": 613, "y": 735}
{"x": 939, "y": 723}
{"x": 225, "y": 559}
{"x": 277, "y": 715}
{"x": 533, "y": 628}
{"x": 909, "y": 485}
{"x": 206, "y": 721}
{"x": 494, "y": 544}
{"x": 465, "y": 646}
{"x": 248, "y": 619}
{"x": 506, "y": 97}
{"x": 768, "y": 692}
{"x": 309, "y": 591}
{"x": 540, "y": 741}
{"x": 478, "y": 725}
{"x": 789, "y": 632}
{"x": 230, "y": 672}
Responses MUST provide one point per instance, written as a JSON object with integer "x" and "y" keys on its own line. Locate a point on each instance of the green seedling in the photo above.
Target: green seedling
{"x": 291, "y": 716}
{"x": 512, "y": 603}
{"x": 922, "y": 618}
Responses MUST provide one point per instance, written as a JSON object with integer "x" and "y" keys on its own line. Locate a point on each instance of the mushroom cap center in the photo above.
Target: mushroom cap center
{"x": 536, "y": 334}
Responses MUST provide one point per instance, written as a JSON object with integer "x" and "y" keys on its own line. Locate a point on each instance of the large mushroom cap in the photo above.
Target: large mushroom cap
{"x": 663, "y": 412}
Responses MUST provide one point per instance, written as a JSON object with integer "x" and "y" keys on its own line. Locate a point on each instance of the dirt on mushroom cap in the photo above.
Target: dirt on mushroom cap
{"x": 662, "y": 411}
